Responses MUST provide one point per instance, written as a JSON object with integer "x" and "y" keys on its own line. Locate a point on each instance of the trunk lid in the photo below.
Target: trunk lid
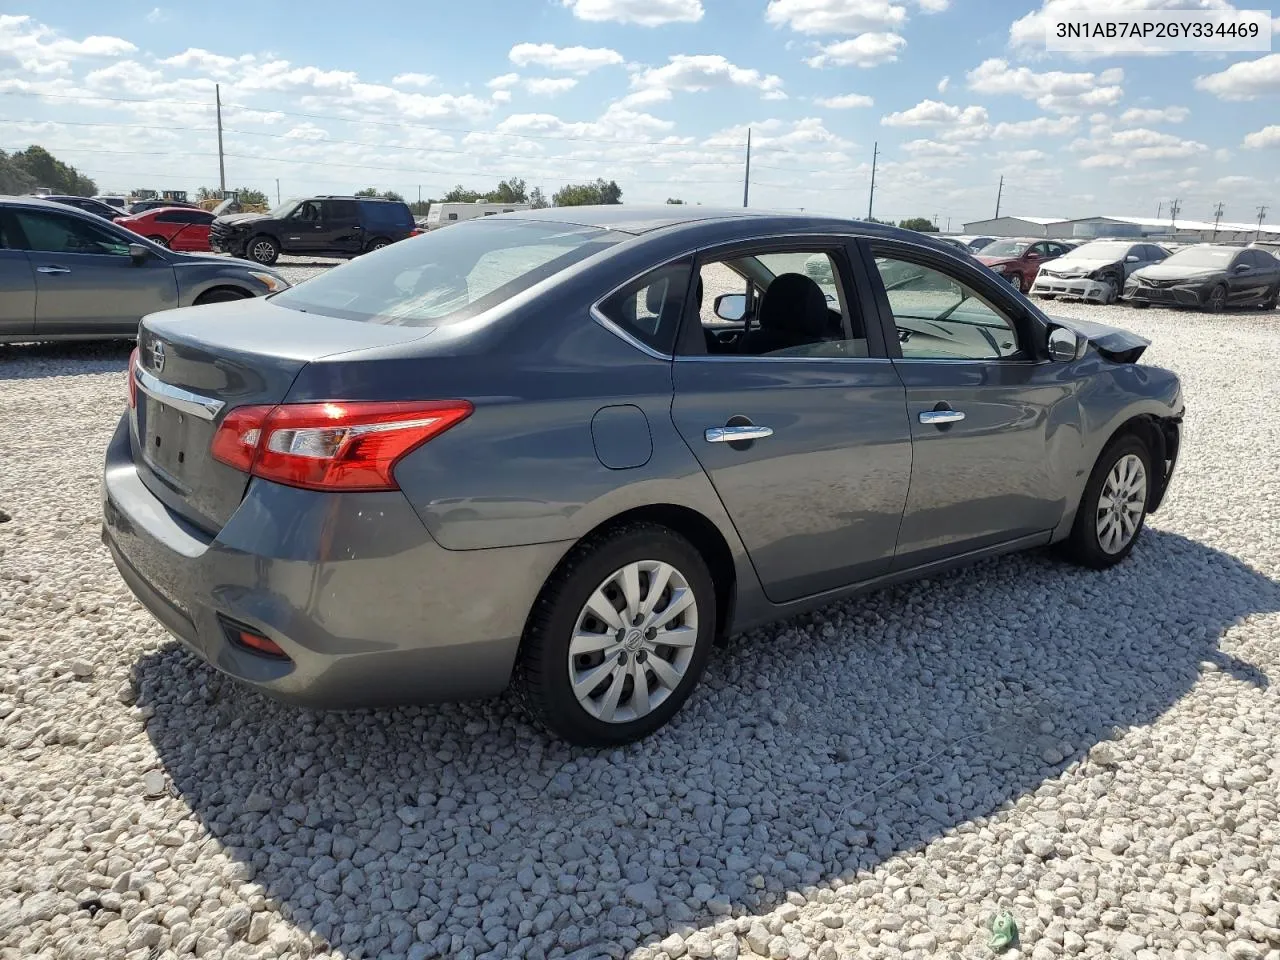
{"x": 197, "y": 364}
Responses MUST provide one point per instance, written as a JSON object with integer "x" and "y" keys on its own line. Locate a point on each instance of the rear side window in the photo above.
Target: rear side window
{"x": 343, "y": 211}
{"x": 448, "y": 275}
{"x": 649, "y": 308}
{"x": 385, "y": 215}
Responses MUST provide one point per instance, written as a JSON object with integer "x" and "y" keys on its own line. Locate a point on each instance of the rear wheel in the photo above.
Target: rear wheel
{"x": 263, "y": 249}
{"x": 619, "y": 636}
{"x": 1113, "y": 508}
{"x": 1216, "y": 302}
{"x": 377, "y": 243}
{"x": 161, "y": 241}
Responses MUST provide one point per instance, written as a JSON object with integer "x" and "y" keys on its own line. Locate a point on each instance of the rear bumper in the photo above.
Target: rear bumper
{"x": 1082, "y": 287}
{"x": 369, "y": 608}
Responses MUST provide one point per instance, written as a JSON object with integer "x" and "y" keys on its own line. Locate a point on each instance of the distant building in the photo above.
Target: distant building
{"x": 1192, "y": 231}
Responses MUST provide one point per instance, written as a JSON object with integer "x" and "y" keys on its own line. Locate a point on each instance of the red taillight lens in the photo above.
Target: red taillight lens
{"x": 133, "y": 379}
{"x": 415, "y": 232}
{"x": 260, "y": 644}
{"x": 331, "y": 446}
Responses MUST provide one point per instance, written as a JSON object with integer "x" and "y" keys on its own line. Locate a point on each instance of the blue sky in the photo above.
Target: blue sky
{"x": 656, "y": 94}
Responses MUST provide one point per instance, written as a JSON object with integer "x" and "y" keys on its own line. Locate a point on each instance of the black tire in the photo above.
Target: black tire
{"x": 1216, "y": 301}
{"x": 159, "y": 241}
{"x": 1115, "y": 290}
{"x": 1047, "y": 296}
{"x": 1271, "y": 301}
{"x": 377, "y": 243}
{"x": 1083, "y": 545}
{"x": 1139, "y": 304}
{"x": 543, "y": 678}
{"x": 220, "y": 296}
{"x": 263, "y": 249}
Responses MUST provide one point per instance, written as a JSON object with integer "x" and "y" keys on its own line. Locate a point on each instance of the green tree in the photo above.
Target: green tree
{"x": 48, "y": 171}
{"x": 420, "y": 208}
{"x": 887, "y": 223}
{"x": 585, "y": 194}
{"x": 373, "y": 192}
{"x": 508, "y": 191}
{"x": 13, "y": 179}
{"x": 536, "y": 199}
{"x": 674, "y": 200}
{"x": 208, "y": 193}
{"x": 367, "y": 192}
{"x": 918, "y": 224}
{"x": 461, "y": 194}
{"x": 251, "y": 197}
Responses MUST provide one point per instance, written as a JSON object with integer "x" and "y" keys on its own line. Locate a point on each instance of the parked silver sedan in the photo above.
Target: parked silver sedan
{"x": 70, "y": 275}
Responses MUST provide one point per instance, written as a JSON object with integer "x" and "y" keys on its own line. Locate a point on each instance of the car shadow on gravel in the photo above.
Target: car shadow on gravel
{"x": 33, "y": 361}
{"x": 815, "y": 750}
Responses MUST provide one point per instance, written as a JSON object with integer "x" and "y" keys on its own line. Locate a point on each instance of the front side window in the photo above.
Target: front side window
{"x": 649, "y": 308}
{"x": 307, "y": 210}
{"x": 449, "y": 275}
{"x": 940, "y": 318}
{"x": 785, "y": 303}
{"x": 54, "y": 233}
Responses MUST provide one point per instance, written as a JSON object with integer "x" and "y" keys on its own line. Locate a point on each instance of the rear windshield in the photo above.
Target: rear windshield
{"x": 447, "y": 275}
{"x": 386, "y": 214}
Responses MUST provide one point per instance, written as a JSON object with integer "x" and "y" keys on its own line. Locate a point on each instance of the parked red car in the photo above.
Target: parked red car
{"x": 1018, "y": 259}
{"x": 178, "y": 228}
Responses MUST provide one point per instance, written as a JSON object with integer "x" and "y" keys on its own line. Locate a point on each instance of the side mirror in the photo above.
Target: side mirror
{"x": 1064, "y": 345}
{"x": 731, "y": 306}
{"x": 1240, "y": 268}
{"x": 139, "y": 254}
{"x": 1131, "y": 258}
{"x": 1031, "y": 255}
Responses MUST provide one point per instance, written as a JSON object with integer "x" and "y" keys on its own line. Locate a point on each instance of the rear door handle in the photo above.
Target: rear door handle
{"x": 936, "y": 417}
{"x": 51, "y": 269}
{"x": 736, "y": 434}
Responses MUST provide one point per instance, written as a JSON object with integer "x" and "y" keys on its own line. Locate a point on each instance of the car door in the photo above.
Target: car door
{"x": 1259, "y": 279}
{"x": 191, "y": 230}
{"x": 344, "y": 232}
{"x": 303, "y": 231}
{"x": 806, "y": 442}
{"x": 992, "y": 421}
{"x": 1032, "y": 258}
{"x": 17, "y": 283}
{"x": 87, "y": 284}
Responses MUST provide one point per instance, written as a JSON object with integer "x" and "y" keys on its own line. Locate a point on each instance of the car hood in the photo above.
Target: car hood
{"x": 1174, "y": 271}
{"x": 233, "y": 219}
{"x": 1080, "y": 264}
{"x": 995, "y": 261}
{"x": 1114, "y": 343}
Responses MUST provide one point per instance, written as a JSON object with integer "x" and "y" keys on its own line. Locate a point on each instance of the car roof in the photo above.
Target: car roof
{"x": 38, "y": 203}
{"x": 147, "y": 213}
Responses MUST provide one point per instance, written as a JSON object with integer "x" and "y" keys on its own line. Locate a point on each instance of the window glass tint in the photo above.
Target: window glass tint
{"x": 382, "y": 215}
{"x": 784, "y": 304}
{"x": 1005, "y": 248}
{"x": 939, "y": 318}
{"x": 649, "y": 308}
{"x": 341, "y": 210}
{"x": 53, "y": 233}
{"x": 447, "y": 275}
{"x": 307, "y": 210}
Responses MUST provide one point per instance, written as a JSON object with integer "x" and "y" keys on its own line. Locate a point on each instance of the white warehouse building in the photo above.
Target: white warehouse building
{"x": 1194, "y": 231}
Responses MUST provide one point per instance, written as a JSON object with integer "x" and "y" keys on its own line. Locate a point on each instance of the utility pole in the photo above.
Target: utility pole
{"x": 419, "y": 194}
{"x": 1174, "y": 207}
{"x": 948, "y": 224}
{"x": 746, "y": 176}
{"x": 277, "y": 191}
{"x": 1159, "y": 209}
{"x": 222, "y": 169}
{"x": 1262, "y": 213}
{"x": 875, "y": 152}
{"x": 1217, "y": 215}
{"x": 999, "y": 194}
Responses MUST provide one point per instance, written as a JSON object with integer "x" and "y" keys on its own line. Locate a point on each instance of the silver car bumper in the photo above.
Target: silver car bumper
{"x": 1081, "y": 287}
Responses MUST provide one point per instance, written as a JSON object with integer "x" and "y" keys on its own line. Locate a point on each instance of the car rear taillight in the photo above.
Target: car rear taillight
{"x": 331, "y": 446}
{"x": 132, "y": 374}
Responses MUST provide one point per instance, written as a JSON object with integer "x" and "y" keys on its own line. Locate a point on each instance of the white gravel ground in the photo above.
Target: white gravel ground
{"x": 1094, "y": 752}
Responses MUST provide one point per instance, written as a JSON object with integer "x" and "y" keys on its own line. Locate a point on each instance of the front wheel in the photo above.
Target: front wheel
{"x": 1113, "y": 508}
{"x": 159, "y": 241}
{"x": 619, "y": 636}
{"x": 1271, "y": 301}
{"x": 263, "y": 250}
{"x": 1216, "y": 302}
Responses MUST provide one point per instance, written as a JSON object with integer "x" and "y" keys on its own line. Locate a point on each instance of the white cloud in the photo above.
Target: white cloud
{"x": 867, "y": 50}
{"x": 504, "y": 82}
{"x": 307, "y": 131}
{"x": 1245, "y": 80}
{"x": 1129, "y": 147}
{"x": 501, "y": 96}
{"x": 690, "y": 74}
{"x": 202, "y": 61}
{"x": 934, "y": 113}
{"x": 1024, "y": 156}
{"x": 1141, "y": 115}
{"x": 1266, "y": 138}
{"x": 413, "y": 79}
{"x": 836, "y": 16}
{"x": 943, "y": 84}
{"x": 1052, "y": 90}
{"x": 1100, "y": 161}
{"x": 1028, "y": 32}
{"x": 645, "y": 13}
{"x": 156, "y": 15}
{"x": 932, "y": 148}
{"x": 549, "y": 86}
{"x": 569, "y": 59}
{"x": 845, "y": 101}
{"x": 1039, "y": 127}
{"x": 41, "y": 50}
{"x": 933, "y": 6}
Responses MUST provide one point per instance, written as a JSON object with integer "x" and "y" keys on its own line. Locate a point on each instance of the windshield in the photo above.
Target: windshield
{"x": 1099, "y": 251}
{"x": 284, "y": 209}
{"x": 1005, "y": 248}
{"x": 448, "y": 275}
{"x": 1202, "y": 257}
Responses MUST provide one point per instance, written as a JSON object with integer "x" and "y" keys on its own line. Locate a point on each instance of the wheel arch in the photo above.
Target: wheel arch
{"x": 1161, "y": 437}
{"x": 222, "y": 287}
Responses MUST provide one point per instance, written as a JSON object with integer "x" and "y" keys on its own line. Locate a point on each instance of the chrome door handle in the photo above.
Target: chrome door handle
{"x": 48, "y": 269}
{"x": 736, "y": 434}
{"x": 936, "y": 417}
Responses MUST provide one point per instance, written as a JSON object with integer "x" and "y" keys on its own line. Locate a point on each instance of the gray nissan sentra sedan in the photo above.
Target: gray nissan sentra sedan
{"x": 574, "y": 447}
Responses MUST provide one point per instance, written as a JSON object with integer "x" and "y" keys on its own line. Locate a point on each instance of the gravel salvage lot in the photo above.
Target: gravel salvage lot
{"x": 1095, "y": 752}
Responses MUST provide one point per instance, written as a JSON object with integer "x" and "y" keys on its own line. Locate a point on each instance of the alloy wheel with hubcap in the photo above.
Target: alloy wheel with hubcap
{"x": 1217, "y": 301}
{"x": 1121, "y": 504}
{"x": 633, "y": 641}
{"x": 263, "y": 251}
